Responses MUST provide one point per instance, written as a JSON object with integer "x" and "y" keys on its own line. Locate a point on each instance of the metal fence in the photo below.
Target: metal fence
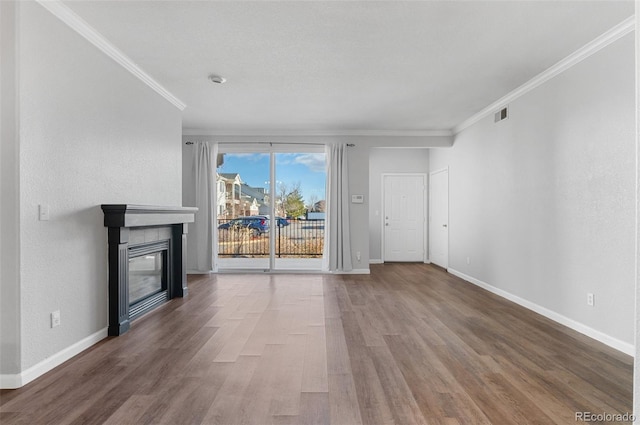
{"x": 300, "y": 238}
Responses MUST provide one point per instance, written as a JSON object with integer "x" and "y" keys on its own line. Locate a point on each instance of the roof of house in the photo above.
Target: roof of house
{"x": 230, "y": 176}
{"x": 253, "y": 192}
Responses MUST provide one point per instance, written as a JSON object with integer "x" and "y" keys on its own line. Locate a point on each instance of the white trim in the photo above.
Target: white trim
{"x": 321, "y": 133}
{"x": 200, "y": 272}
{"x": 431, "y": 173}
{"x": 354, "y": 271}
{"x": 636, "y": 367}
{"x": 21, "y": 379}
{"x": 79, "y": 25}
{"x": 267, "y": 148}
{"x": 619, "y": 345}
{"x": 289, "y": 271}
{"x": 614, "y": 34}
{"x": 376, "y": 261}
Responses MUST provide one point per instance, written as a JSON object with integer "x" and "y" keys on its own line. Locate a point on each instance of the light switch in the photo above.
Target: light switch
{"x": 44, "y": 212}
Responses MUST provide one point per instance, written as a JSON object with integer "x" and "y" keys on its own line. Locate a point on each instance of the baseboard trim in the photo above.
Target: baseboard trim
{"x": 354, "y": 271}
{"x": 556, "y": 317}
{"x": 378, "y": 261}
{"x": 10, "y": 382}
{"x": 199, "y": 272}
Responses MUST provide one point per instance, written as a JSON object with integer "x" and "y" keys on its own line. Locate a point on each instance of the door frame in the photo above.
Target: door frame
{"x": 431, "y": 173}
{"x": 425, "y": 227}
{"x": 271, "y": 149}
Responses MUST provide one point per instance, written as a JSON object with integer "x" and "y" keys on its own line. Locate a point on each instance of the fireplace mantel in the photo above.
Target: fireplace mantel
{"x": 128, "y": 215}
{"x": 132, "y": 228}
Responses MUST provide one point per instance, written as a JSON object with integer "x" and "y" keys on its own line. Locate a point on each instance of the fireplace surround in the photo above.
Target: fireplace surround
{"x": 147, "y": 246}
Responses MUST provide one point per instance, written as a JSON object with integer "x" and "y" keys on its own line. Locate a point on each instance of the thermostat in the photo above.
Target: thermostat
{"x": 357, "y": 199}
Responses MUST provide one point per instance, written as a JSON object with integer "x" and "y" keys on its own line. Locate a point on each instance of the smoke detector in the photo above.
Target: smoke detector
{"x": 217, "y": 79}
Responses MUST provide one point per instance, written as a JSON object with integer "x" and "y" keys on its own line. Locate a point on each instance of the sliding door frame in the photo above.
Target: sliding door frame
{"x": 271, "y": 148}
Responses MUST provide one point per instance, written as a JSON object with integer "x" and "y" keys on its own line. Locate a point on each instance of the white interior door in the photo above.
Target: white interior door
{"x": 439, "y": 218}
{"x": 404, "y": 217}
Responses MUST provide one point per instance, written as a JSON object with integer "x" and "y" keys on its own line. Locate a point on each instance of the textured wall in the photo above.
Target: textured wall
{"x": 91, "y": 133}
{"x": 388, "y": 161}
{"x": 543, "y": 203}
{"x": 359, "y": 213}
{"x": 636, "y": 376}
{"x": 9, "y": 235}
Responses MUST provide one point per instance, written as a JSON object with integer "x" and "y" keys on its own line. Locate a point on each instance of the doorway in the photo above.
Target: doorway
{"x": 270, "y": 207}
{"x": 439, "y": 217}
{"x": 403, "y": 231}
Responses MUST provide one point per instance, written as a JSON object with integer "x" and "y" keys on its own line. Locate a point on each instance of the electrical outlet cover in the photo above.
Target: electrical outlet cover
{"x": 55, "y": 318}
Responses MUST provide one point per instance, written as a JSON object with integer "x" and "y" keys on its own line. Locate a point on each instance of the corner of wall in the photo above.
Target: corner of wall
{"x": 17, "y": 380}
{"x": 10, "y": 338}
{"x": 636, "y": 372}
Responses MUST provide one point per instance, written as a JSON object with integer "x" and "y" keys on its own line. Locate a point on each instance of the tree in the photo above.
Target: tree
{"x": 290, "y": 199}
{"x": 311, "y": 203}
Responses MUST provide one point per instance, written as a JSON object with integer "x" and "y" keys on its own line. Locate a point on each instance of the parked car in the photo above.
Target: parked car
{"x": 282, "y": 222}
{"x": 257, "y": 224}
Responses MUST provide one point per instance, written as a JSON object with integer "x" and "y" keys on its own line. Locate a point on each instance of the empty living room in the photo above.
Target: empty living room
{"x": 319, "y": 212}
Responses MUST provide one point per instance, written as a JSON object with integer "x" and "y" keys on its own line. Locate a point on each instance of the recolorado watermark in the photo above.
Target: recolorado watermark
{"x": 604, "y": 417}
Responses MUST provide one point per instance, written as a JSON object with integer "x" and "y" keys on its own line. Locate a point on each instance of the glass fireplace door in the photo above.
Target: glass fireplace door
{"x": 145, "y": 276}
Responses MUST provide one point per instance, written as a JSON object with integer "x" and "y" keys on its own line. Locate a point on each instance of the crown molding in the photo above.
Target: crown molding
{"x": 612, "y": 35}
{"x": 318, "y": 133}
{"x": 79, "y": 25}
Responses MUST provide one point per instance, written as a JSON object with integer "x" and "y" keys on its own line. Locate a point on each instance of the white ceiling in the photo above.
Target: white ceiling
{"x": 332, "y": 66}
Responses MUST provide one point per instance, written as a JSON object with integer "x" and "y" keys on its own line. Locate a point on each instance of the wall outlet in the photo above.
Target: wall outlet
{"x": 55, "y": 318}
{"x": 358, "y": 256}
{"x": 468, "y": 260}
{"x": 590, "y": 299}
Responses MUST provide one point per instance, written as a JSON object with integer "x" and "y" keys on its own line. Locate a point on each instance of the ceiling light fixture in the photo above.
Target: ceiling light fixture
{"x": 217, "y": 79}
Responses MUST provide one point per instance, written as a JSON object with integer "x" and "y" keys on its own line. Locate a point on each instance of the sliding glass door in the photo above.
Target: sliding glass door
{"x": 300, "y": 201}
{"x": 242, "y": 209}
{"x": 270, "y": 207}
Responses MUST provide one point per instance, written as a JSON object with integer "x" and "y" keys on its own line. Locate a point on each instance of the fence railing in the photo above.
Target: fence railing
{"x": 300, "y": 238}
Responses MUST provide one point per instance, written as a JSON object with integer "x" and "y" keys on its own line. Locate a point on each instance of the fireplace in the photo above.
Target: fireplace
{"x": 148, "y": 277}
{"x": 147, "y": 259}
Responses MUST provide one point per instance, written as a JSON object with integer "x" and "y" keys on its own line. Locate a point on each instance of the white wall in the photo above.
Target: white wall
{"x": 90, "y": 133}
{"x": 9, "y": 235}
{"x": 636, "y": 372}
{"x": 189, "y": 197}
{"x": 388, "y": 160}
{"x": 358, "y": 162}
{"x": 543, "y": 203}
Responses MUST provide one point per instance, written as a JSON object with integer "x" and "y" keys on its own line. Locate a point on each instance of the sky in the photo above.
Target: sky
{"x": 306, "y": 168}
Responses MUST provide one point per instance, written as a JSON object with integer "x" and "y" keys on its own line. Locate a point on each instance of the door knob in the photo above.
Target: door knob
{"x": 444, "y": 225}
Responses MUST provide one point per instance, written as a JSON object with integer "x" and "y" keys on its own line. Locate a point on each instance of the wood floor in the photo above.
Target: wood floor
{"x": 409, "y": 344}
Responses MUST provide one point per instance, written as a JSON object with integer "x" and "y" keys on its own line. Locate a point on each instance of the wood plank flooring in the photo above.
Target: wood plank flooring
{"x": 408, "y": 344}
